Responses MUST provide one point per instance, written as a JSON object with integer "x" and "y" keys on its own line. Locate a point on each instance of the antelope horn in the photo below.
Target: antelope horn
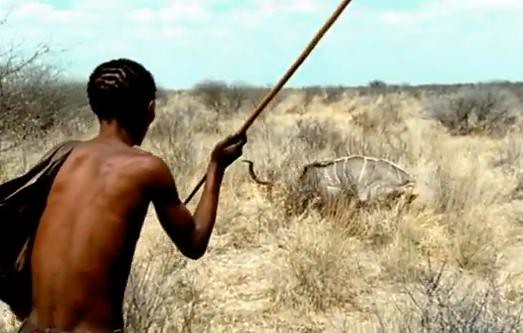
{"x": 253, "y": 174}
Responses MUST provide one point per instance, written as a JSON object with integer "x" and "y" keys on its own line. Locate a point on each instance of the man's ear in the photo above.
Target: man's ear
{"x": 152, "y": 105}
{"x": 151, "y": 110}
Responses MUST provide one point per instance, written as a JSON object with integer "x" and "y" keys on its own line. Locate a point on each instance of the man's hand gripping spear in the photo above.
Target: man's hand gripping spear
{"x": 241, "y": 136}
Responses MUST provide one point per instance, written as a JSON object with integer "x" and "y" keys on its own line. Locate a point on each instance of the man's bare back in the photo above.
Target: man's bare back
{"x": 86, "y": 238}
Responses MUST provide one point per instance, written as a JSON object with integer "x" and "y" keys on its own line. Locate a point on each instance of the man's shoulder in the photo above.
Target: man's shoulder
{"x": 132, "y": 161}
{"x": 152, "y": 172}
{"x": 149, "y": 163}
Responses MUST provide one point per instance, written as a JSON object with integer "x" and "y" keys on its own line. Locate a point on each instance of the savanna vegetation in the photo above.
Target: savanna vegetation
{"x": 449, "y": 262}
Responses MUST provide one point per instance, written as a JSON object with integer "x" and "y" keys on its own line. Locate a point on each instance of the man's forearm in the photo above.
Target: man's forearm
{"x": 205, "y": 214}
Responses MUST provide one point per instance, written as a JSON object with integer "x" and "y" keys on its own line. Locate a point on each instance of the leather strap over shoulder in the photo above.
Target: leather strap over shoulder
{"x": 55, "y": 155}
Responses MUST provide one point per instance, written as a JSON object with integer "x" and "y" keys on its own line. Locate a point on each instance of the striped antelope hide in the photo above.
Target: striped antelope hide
{"x": 364, "y": 178}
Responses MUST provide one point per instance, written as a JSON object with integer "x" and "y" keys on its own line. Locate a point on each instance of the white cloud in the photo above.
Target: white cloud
{"x": 183, "y": 11}
{"x": 438, "y": 10}
{"x": 485, "y": 6}
{"x": 143, "y": 15}
{"x": 109, "y": 7}
{"x": 273, "y": 7}
{"x": 219, "y": 30}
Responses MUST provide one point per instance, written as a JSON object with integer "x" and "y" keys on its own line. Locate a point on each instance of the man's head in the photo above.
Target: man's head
{"x": 123, "y": 91}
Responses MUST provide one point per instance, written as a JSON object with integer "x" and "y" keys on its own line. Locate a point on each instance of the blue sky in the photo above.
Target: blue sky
{"x": 183, "y": 42}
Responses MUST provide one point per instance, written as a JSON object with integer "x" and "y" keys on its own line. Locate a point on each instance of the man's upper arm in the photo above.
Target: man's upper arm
{"x": 162, "y": 189}
{"x": 174, "y": 217}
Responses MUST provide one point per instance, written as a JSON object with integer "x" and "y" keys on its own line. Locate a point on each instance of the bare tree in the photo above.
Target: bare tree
{"x": 33, "y": 95}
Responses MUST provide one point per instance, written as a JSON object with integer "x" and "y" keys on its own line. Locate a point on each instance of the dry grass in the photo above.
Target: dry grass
{"x": 276, "y": 264}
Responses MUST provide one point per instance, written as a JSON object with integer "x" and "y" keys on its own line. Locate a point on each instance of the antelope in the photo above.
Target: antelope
{"x": 365, "y": 178}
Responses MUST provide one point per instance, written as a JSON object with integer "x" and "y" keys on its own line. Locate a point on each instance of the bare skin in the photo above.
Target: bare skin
{"x": 87, "y": 235}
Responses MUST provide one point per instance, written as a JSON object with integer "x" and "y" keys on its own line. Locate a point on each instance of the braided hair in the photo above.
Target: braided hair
{"x": 120, "y": 90}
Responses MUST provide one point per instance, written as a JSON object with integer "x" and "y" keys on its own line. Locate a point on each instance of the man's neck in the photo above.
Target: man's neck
{"x": 113, "y": 131}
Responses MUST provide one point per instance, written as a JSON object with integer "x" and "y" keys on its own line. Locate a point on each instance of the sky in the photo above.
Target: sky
{"x": 183, "y": 42}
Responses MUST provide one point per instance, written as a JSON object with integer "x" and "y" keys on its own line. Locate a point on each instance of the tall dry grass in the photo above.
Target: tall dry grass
{"x": 277, "y": 264}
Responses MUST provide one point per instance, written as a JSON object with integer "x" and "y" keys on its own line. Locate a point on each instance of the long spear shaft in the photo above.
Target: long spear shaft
{"x": 290, "y": 72}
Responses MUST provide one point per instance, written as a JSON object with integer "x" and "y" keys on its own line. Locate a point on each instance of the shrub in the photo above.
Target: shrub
{"x": 159, "y": 297}
{"x": 318, "y": 271}
{"x": 170, "y": 138}
{"x": 387, "y": 116}
{"x": 446, "y": 303}
{"x": 479, "y": 109}
{"x": 318, "y": 135}
{"x": 34, "y": 98}
{"x": 221, "y": 97}
{"x": 377, "y": 84}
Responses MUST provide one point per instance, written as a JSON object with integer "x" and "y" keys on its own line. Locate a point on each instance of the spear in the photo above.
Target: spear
{"x": 281, "y": 83}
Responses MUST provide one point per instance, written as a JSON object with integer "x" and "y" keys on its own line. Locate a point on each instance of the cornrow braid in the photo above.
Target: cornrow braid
{"x": 120, "y": 89}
